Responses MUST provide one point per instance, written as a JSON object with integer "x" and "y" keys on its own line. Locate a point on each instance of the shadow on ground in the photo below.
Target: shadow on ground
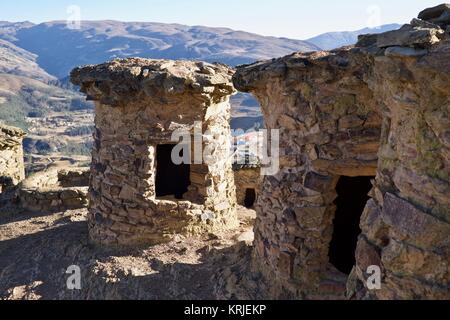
{"x": 37, "y": 249}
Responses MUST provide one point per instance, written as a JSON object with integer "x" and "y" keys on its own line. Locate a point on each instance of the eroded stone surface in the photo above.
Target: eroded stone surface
{"x": 411, "y": 207}
{"x": 439, "y": 15}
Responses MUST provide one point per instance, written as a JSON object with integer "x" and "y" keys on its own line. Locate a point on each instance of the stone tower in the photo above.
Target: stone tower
{"x": 137, "y": 193}
{"x": 377, "y": 112}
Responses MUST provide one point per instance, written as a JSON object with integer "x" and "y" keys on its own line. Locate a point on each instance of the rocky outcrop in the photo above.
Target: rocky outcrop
{"x": 139, "y": 104}
{"x": 380, "y": 108}
{"x": 12, "y": 169}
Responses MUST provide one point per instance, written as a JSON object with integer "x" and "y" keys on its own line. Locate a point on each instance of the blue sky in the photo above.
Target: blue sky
{"x": 298, "y": 19}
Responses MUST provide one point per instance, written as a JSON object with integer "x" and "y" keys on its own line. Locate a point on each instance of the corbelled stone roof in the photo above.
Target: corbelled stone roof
{"x": 249, "y": 77}
{"x": 10, "y": 136}
{"x": 122, "y": 80}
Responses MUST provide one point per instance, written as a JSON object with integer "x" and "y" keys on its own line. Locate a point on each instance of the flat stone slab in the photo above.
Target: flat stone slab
{"x": 124, "y": 79}
{"x": 412, "y": 225}
{"x": 409, "y": 38}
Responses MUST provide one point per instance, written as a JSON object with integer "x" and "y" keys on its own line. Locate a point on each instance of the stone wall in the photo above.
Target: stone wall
{"x": 246, "y": 177}
{"x": 139, "y": 104}
{"x": 329, "y": 126}
{"x": 336, "y": 110}
{"x": 12, "y": 169}
{"x": 406, "y": 226}
{"x": 51, "y": 190}
{"x": 74, "y": 177}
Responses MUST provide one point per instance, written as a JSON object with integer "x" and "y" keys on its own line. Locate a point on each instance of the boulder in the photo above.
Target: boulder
{"x": 410, "y": 37}
{"x": 439, "y": 15}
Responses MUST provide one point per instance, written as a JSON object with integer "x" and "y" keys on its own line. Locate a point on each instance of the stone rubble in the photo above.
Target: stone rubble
{"x": 381, "y": 108}
{"x": 74, "y": 177}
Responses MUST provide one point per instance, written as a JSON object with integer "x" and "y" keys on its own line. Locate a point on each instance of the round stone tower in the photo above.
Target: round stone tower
{"x": 138, "y": 192}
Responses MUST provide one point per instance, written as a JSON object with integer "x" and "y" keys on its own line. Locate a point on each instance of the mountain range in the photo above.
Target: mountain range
{"x": 59, "y": 48}
{"x": 35, "y": 60}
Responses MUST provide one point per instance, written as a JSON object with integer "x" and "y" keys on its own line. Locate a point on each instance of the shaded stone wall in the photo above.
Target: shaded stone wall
{"x": 139, "y": 104}
{"x": 336, "y": 111}
{"x": 406, "y": 226}
{"x": 72, "y": 177}
{"x": 329, "y": 126}
{"x": 12, "y": 169}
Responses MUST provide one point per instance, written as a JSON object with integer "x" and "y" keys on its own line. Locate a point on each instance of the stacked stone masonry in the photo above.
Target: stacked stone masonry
{"x": 74, "y": 177}
{"x": 139, "y": 104}
{"x": 12, "y": 169}
{"x": 380, "y": 108}
{"x": 406, "y": 226}
{"x": 54, "y": 190}
{"x": 247, "y": 179}
{"x": 329, "y": 126}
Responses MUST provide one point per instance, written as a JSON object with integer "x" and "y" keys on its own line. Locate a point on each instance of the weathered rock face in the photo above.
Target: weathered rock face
{"x": 336, "y": 111}
{"x": 139, "y": 104}
{"x": 329, "y": 126}
{"x": 12, "y": 169}
{"x": 406, "y": 224}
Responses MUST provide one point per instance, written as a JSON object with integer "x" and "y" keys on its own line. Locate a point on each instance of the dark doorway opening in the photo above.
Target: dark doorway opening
{"x": 250, "y": 198}
{"x": 171, "y": 179}
{"x": 351, "y": 201}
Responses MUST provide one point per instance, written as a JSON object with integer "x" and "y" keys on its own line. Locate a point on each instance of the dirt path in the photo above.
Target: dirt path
{"x": 37, "y": 249}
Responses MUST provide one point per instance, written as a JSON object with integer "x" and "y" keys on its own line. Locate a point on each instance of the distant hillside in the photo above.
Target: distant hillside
{"x": 60, "y": 49}
{"x": 22, "y": 97}
{"x": 17, "y": 61}
{"x": 333, "y": 40}
{"x": 35, "y": 61}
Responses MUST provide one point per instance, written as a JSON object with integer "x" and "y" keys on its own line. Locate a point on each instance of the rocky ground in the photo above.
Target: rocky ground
{"x": 37, "y": 248}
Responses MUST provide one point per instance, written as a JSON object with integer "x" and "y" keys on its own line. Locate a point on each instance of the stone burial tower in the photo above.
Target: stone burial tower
{"x": 364, "y": 184}
{"x": 309, "y": 212}
{"x": 138, "y": 195}
{"x": 12, "y": 169}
